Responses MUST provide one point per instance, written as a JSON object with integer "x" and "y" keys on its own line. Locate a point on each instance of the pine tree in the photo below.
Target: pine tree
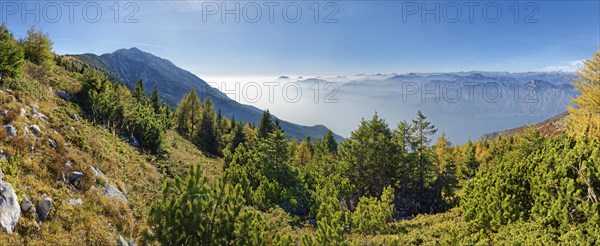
{"x": 11, "y": 55}
{"x": 155, "y": 101}
{"x": 195, "y": 212}
{"x": 371, "y": 157}
{"x": 329, "y": 142}
{"x": 237, "y": 136}
{"x": 422, "y": 129}
{"x": 302, "y": 153}
{"x": 372, "y": 214}
{"x": 403, "y": 141}
{"x": 38, "y": 48}
{"x": 469, "y": 164}
{"x": 139, "y": 93}
{"x": 266, "y": 125}
{"x": 331, "y": 219}
{"x": 188, "y": 114}
{"x": 586, "y": 116}
{"x": 206, "y": 137}
{"x": 446, "y": 182}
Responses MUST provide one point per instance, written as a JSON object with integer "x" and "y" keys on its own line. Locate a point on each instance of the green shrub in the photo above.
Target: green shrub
{"x": 371, "y": 214}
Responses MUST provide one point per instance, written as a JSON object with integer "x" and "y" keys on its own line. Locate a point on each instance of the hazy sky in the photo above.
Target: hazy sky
{"x": 348, "y": 37}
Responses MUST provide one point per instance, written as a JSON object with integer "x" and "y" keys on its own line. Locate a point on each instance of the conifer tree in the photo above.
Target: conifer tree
{"x": 187, "y": 115}
{"x": 468, "y": 166}
{"x": 195, "y": 212}
{"x": 237, "y": 137}
{"x": 329, "y": 142}
{"x": 403, "y": 142}
{"x": 422, "y": 129}
{"x": 38, "y": 48}
{"x": 139, "y": 93}
{"x": 206, "y": 136}
{"x": 370, "y": 156}
{"x": 11, "y": 55}
{"x": 331, "y": 220}
{"x": 155, "y": 101}
{"x": 586, "y": 116}
{"x": 266, "y": 125}
{"x": 372, "y": 214}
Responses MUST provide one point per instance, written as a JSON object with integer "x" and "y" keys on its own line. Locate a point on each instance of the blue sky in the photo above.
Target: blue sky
{"x": 368, "y": 36}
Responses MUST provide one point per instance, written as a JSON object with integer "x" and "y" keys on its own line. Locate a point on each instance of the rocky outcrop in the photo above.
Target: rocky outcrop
{"x": 10, "y": 211}
{"x": 114, "y": 192}
{"x": 108, "y": 189}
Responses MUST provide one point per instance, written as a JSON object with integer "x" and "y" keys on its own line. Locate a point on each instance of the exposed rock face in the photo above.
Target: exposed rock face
{"x": 43, "y": 208}
{"x": 10, "y": 211}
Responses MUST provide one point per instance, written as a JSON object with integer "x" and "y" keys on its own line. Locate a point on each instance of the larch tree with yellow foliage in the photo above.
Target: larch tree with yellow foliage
{"x": 586, "y": 116}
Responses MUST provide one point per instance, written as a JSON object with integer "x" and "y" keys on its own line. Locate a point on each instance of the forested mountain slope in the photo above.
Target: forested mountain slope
{"x": 130, "y": 65}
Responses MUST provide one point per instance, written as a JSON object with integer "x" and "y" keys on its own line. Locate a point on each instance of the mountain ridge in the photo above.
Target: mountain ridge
{"x": 551, "y": 127}
{"x": 129, "y": 65}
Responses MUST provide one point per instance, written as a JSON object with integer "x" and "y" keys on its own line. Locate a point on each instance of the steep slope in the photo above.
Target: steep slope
{"x": 130, "y": 65}
{"x": 100, "y": 186}
{"x": 550, "y": 127}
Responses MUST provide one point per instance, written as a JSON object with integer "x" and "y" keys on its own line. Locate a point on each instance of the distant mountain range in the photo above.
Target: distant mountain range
{"x": 130, "y": 65}
{"x": 464, "y": 105}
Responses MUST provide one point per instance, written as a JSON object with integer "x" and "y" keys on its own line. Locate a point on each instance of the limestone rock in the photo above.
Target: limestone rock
{"x": 10, "y": 211}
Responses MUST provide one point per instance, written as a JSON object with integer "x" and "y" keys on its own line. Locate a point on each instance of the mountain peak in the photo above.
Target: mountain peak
{"x": 132, "y": 50}
{"x": 476, "y": 76}
{"x": 539, "y": 83}
{"x": 172, "y": 82}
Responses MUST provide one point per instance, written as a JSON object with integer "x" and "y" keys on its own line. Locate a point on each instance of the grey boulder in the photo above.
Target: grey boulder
{"x": 27, "y": 206}
{"x": 63, "y": 95}
{"x": 43, "y": 208}
{"x": 10, "y": 211}
{"x": 11, "y": 131}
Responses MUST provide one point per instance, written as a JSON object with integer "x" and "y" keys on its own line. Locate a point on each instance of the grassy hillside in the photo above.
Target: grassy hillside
{"x": 37, "y": 169}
